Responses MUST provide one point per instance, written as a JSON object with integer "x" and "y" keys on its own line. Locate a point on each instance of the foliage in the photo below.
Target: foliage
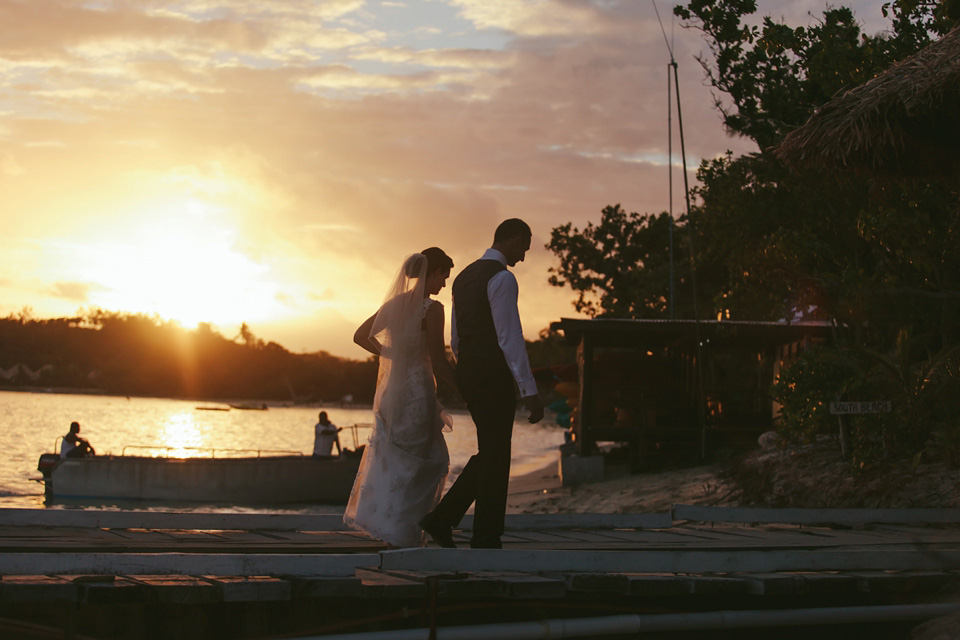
{"x": 620, "y": 267}
{"x": 862, "y": 249}
{"x": 879, "y": 258}
{"x": 806, "y": 388}
{"x": 551, "y": 351}
{"x": 135, "y": 354}
{"x": 776, "y": 75}
{"x": 762, "y": 253}
{"x": 924, "y": 394}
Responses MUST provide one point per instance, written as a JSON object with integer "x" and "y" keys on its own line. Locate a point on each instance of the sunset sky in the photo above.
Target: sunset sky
{"x": 272, "y": 161}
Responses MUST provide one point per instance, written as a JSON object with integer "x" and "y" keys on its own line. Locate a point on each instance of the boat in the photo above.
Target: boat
{"x": 257, "y": 478}
{"x": 251, "y": 407}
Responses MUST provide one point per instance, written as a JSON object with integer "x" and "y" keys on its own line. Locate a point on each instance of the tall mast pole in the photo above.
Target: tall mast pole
{"x": 670, "y": 180}
{"x": 698, "y": 364}
{"x": 701, "y": 404}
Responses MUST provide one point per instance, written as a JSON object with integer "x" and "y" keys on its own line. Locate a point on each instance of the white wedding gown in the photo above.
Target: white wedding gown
{"x": 406, "y": 461}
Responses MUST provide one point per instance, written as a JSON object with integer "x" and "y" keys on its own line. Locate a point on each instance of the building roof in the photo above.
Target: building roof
{"x": 904, "y": 122}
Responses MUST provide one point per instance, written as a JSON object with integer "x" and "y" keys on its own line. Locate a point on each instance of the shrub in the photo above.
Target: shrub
{"x": 924, "y": 393}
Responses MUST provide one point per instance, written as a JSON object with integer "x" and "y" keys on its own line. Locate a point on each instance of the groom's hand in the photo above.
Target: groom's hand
{"x": 535, "y": 405}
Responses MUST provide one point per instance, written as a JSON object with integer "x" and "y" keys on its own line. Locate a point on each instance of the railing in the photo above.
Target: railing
{"x": 213, "y": 451}
{"x": 354, "y": 431}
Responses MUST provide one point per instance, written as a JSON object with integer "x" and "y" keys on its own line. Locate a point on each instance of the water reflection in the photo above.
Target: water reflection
{"x": 34, "y": 422}
{"x": 182, "y": 438}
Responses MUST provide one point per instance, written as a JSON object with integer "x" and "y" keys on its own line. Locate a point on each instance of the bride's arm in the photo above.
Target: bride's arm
{"x": 362, "y": 336}
{"x": 442, "y": 368}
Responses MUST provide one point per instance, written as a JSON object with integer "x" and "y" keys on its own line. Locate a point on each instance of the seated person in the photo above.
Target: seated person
{"x": 73, "y": 446}
{"x": 325, "y": 436}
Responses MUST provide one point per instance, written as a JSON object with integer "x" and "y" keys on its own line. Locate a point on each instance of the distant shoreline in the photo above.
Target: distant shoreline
{"x": 86, "y": 391}
{"x": 80, "y": 391}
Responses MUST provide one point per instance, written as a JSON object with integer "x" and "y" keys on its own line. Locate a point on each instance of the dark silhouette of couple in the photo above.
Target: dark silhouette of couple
{"x": 397, "y": 493}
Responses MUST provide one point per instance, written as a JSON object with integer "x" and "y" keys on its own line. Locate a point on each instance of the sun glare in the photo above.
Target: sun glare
{"x": 180, "y": 261}
{"x": 182, "y": 436}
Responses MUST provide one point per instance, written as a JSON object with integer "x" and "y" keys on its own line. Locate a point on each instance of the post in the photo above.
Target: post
{"x": 844, "y": 437}
{"x": 585, "y": 404}
{"x": 843, "y": 409}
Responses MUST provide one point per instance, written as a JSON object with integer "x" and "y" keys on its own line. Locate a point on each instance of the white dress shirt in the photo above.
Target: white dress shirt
{"x": 502, "y": 292}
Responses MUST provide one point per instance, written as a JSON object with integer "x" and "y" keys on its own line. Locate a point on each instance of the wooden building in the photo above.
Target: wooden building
{"x": 640, "y": 384}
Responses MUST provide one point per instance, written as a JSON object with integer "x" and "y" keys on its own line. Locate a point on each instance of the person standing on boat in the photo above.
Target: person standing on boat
{"x": 325, "y": 435}
{"x": 73, "y": 446}
{"x": 405, "y": 464}
{"x": 491, "y": 363}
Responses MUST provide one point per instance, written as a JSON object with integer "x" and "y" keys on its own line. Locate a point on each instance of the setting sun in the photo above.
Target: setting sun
{"x": 273, "y": 162}
{"x": 180, "y": 260}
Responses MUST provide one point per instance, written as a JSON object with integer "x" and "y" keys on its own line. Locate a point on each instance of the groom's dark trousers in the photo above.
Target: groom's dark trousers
{"x": 487, "y": 385}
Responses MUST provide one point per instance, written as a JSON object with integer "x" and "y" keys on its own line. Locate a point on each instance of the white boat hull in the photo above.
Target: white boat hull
{"x": 264, "y": 480}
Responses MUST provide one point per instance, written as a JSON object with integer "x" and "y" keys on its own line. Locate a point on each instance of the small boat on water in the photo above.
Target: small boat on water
{"x": 256, "y": 478}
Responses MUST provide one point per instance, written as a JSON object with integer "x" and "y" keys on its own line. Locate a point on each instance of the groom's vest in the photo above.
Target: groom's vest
{"x": 475, "y": 329}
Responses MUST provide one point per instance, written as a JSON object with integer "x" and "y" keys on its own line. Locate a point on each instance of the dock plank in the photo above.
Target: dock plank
{"x": 521, "y": 586}
{"x": 326, "y": 587}
{"x": 177, "y": 589}
{"x": 658, "y": 584}
{"x": 170, "y": 520}
{"x": 546, "y": 521}
{"x": 455, "y": 585}
{"x": 227, "y": 564}
{"x": 380, "y": 584}
{"x": 597, "y": 582}
{"x": 670, "y": 561}
{"x": 815, "y": 516}
{"x": 107, "y": 589}
{"x": 37, "y": 588}
{"x": 250, "y": 588}
{"x": 777, "y": 584}
{"x": 716, "y": 585}
{"x": 902, "y": 581}
{"x": 557, "y": 558}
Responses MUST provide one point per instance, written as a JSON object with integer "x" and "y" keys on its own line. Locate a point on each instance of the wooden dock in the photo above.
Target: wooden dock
{"x": 120, "y": 574}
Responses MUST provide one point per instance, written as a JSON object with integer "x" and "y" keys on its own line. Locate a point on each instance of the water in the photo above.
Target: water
{"x": 33, "y": 423}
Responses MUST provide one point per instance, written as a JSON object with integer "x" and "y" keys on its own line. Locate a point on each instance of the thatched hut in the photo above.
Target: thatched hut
{"x": 904, "y": 122}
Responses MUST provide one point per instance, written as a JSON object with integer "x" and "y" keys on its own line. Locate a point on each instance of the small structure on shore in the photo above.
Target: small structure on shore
{"x": 640, "y": 384}
{"x": 905, "y": 122}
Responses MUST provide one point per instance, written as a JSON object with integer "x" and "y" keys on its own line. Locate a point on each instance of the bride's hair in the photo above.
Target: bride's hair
{"x": 413, "y": 265}
{"x": 437, "y": 260}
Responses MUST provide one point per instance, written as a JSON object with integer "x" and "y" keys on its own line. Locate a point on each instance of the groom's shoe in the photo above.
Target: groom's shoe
{"x": 442, "y": 534}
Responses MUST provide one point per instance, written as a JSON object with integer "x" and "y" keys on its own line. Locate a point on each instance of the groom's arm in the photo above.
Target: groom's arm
{"x": 503, "y": 292}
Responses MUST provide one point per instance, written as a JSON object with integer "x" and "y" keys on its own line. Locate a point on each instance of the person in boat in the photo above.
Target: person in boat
{"x": 405, "y": 464}
{"x": 325, "y": 435}
{"x": 73, "y": 446}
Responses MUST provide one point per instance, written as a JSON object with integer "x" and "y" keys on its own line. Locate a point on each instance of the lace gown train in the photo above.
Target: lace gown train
{"x": 406, "y": 461}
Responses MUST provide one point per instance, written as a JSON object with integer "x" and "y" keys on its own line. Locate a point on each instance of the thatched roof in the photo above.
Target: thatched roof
{"x": 904, "y": 122}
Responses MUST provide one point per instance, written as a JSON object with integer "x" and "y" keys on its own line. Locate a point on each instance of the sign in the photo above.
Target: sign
{"x": 875, "y": 406}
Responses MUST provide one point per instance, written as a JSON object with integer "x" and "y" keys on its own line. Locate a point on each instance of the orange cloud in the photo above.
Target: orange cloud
{"x": 322, "y": 142}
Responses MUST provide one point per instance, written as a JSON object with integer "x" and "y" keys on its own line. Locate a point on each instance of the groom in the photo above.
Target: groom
{"x": 491, "y": 356}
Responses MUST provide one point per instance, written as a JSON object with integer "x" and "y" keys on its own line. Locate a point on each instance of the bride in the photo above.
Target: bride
{"x": 405, "y": 464}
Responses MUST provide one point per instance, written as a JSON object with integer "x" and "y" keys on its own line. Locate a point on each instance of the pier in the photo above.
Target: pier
{"x": 113, "y": 574}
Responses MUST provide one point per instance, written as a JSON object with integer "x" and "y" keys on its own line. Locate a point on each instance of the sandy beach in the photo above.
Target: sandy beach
{"x": 540, "y": 491}
{"x": 780, "y": 475}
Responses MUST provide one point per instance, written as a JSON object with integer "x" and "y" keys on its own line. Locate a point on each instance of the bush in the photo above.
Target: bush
{"x": 807, "y": 387}
{"x": 924, "y": 392}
